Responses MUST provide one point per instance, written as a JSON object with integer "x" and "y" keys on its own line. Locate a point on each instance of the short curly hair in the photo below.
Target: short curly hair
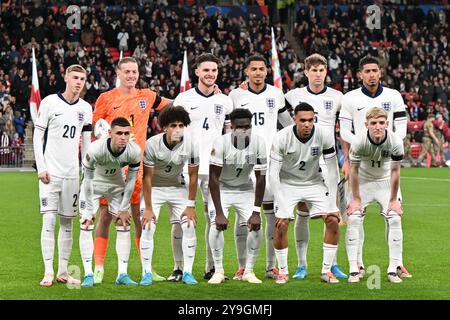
{"x": 173, "y": 114}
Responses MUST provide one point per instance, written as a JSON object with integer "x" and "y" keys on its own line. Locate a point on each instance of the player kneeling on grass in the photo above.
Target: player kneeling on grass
{"x": 164, "y": 158}
{"x": 103, "y": 178}
{"x": 375, "y": 159}
{"x": 295, "y": 177}
{"x": 233, "y": 158}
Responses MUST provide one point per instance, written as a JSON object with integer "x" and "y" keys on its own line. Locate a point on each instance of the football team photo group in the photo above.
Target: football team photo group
{"x": 254, "y": 190}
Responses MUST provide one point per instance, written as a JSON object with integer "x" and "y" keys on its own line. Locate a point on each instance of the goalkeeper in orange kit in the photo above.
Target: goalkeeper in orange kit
{"x": 135, "y": 105}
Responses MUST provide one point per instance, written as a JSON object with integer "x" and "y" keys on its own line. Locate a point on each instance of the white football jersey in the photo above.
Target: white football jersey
{"x": 169, "y": 162}
{"x": 356, "y": 103}
{"x": 326, "y": 104}
{"x": 107, "y": 165}
{"x": 208, "y": 114}
{"x": 238, "y": 164}
{"x": 63, "y": 123}
{"x": 375, "y": 159}
{"x": 264, "y": 106}
{"x": 300, "y": 159}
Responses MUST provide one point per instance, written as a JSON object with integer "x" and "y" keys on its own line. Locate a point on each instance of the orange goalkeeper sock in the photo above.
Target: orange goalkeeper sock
{"x": 100, "y": 247}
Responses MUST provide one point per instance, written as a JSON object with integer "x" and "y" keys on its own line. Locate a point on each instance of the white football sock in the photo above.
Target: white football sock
{"x": 395, "y": 242}
{"x": 123, "y": 247}
{"x": 48, "y": 241}
{"x": 301, "y": 233}
{"x": 87, "y": 248}
{"x": 65, "y": 242}
{"x": 253, "y": 245}
{"x": 361, "y": 242}
{"x": 216, "y": 242}
{"x": 147, "y": 247}
{"x": 209, "y": 257}
{"x": 240, "y": 239}
{"x": 270, "y": 229}
{"x": 329, "y": 252}
{"x": 352, "y": 241}
{"x": 98, "y": 268}
{"x": 335, "y": 257}
{"x": 282, "y": 257}
{"x": 177, "y": 246}
{"x": 189, "y": 243}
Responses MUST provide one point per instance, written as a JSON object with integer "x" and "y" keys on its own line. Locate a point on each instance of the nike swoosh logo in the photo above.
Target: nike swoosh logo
{"x": 396, "y": 240}
{"x": 193, "y": 108}
{"x": 351, "y": 239}
{"x": 244, "y": 104}
{"x": 359, "y": 109}
{"x": 117, "y": 107}
{"x": 57, "y": 114}
{"x": 291, "y": 152}
{"x": 190, "y": 247}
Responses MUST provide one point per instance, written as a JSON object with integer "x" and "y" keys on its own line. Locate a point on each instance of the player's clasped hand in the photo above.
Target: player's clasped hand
{"x": 124, "y": 218}
{"x": 354, "y": 206}
{"x": 147, "y": 217}
{"x": 190, "y": 214}
{"x": 44, "y": 177}
{"x": 395, "y": 206}
{"x": 254, "y": 222}
{"x": 221, "y": 222}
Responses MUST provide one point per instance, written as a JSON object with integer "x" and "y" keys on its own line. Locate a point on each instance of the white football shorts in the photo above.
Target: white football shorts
{"x": 60, "y": 196}
{"x": 316, "y": 197}
{"x": 241, "y": 201}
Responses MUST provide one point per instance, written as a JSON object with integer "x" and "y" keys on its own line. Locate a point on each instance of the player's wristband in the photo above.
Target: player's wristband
{"x": 256, "y": 209}
{"x": 190, "y": 203}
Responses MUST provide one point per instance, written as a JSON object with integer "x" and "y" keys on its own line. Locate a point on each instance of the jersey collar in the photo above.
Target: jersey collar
{"x": 294, "y": 128}
{"x": 367, "y": 93}
{"x": 262, "y": 90}
{"x": 115, "y": 154}
{"x": 373, "y": 142}
{"x": 310, "y": 91}
{"x": 201, "y": 93}
{"x": 63, "y": 99}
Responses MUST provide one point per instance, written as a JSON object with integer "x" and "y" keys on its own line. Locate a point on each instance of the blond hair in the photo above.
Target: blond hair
{"x": 126, "y": 60}
{"x": 376, "y": 113}
{"x": 315, "y": 59}
{"x": 76, "y": 68}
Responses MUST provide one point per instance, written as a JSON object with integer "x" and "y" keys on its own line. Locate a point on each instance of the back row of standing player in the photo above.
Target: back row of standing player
{"x": 208, "y": 112}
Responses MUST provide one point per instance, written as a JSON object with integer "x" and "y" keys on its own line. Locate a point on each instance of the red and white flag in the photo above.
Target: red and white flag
{"x": 117, "y": 78}
{"x": 35, "y": 96}
{"x": 277, "y": 81}
{"x": 185, "y": 84}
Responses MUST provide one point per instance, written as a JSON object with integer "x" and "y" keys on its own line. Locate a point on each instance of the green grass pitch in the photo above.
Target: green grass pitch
{"x": 426, "y": 252}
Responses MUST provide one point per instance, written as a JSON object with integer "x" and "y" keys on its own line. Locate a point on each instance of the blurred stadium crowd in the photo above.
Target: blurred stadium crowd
{"x": 412, "y": 45}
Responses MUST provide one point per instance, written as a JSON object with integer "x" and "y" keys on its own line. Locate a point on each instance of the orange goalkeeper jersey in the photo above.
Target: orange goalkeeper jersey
{"x": 135, "y": 107}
